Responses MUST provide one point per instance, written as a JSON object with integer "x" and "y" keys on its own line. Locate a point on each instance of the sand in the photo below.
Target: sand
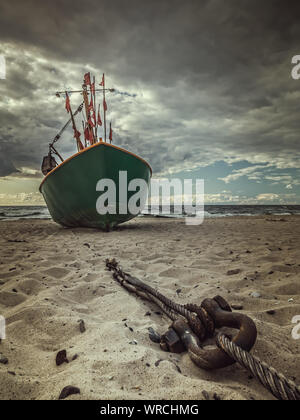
{"x": 51, "y": 278}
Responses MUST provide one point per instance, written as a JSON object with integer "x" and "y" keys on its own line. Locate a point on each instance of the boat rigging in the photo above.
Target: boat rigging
{"x": 90, "y": 121}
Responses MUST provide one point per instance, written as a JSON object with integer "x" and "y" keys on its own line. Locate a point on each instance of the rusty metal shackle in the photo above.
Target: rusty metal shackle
{"x": 219, "y": 310}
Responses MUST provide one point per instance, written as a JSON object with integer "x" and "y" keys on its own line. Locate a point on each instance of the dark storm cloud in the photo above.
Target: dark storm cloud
{"x": 211, "y": 78}
{"x": 6, "y": 167}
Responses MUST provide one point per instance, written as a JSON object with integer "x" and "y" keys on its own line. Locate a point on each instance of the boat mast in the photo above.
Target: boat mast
{"x": 88, "y": 114}
{"x": 93, "y": 94}
{"x": 104, "y": 106}
{"x": 93, "y": 134}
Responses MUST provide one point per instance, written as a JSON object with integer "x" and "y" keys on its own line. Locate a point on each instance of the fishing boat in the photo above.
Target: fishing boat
{"x": 76, "y": 189}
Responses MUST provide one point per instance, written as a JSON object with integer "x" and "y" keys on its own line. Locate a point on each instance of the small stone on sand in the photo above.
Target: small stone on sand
{"x": 67, "y": 391}
{"x": 3, "y": 359}
{"x": 61, "y": 358}
{"x": 233, "y": 272}
{"x": 82, "y": 326}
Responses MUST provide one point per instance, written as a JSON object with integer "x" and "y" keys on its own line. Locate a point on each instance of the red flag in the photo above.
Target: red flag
{"x": 104, "y": 105}
{"x": 68, "y": 105}
{"x": 87, "y": 78}
{"x": 91, "y": 105}
{"x": 110, "y": 133}
{"x": 91, "y": 137}
{"x": 99, "y": 121}
{"x": 86, "y": 134}
{"x": 103, "y": 81}
{"x": 80, "y": 145}
{"x": 77, "y": 134}
{"x": 94, "y": 117}
{"x": 92, "y": 111}
{"x": 91, "y": 124}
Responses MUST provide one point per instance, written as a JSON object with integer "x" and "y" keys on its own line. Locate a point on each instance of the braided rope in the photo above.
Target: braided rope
{"x": 276, "y": 383}
{"x": 170, "y": 308}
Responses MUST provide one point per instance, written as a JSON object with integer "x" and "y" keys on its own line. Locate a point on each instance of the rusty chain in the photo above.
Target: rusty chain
{"x": 192, "y": 324}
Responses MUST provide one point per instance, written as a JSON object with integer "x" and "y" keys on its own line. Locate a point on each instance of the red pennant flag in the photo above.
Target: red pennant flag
{"x": 91, "y": 124}
{"x": 104, "y": 105}
{"x": 110, "y": 133}
{"x": 94, "y": 117}
{"x": 86, "y": 134}
{"x": 91, "y": 105}
{"x": 99, "y": 121}
{"x": 91, "y": 137}
{"x": 80, "y": 145}
{"x": 68, "y": 105}
{"x": 77, "y": 134}
{"x": 87, "y": 79}
{"x": 103, "y": 81}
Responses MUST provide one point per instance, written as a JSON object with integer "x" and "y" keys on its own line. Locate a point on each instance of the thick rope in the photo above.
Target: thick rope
{"x": 170, "y": 308}
{"x": 276, "y": 383}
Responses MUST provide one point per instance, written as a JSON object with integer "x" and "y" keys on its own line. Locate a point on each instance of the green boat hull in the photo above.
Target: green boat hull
{"x": 70, "y": 189}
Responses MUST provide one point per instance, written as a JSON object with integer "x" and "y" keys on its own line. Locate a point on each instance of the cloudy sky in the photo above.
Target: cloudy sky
{"x": 204, "y": 90}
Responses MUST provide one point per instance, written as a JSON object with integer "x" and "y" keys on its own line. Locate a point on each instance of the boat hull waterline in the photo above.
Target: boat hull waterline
{"x": 70, "y": 189}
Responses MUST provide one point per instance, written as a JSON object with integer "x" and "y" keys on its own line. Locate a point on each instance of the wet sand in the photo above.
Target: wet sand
{"x": 51, "y": 278}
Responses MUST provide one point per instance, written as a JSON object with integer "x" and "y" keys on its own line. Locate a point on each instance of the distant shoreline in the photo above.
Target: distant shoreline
{"x": 175, "y": 212}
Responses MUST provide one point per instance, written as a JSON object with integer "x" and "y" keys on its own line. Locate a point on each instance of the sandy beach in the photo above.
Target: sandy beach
{"x": 51, "y": 278}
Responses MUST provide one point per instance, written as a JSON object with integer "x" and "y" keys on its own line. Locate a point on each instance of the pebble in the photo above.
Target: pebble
{"x": 68, "y": 390}
{"x": 82, "y": 326}
{"x": 206, "y": 395}
{"x": 271, "y": 312}
{"x": 3, "y": 359}
{"x": 233, "y": 272}
{"x": 291, "y": 300}
{"x": 255, "y": 294}
{"x": 133, "y": 343}
{"x": 61, "y": 357}
{"x": 154, "y": 336}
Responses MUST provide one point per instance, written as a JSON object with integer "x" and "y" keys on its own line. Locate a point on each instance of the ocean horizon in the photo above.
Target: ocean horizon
{"x": 211, "y": 211}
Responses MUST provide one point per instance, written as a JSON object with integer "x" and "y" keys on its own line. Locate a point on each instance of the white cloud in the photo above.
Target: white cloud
{"x": 238, "y": 173}
{"x": 267, "y": 197}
